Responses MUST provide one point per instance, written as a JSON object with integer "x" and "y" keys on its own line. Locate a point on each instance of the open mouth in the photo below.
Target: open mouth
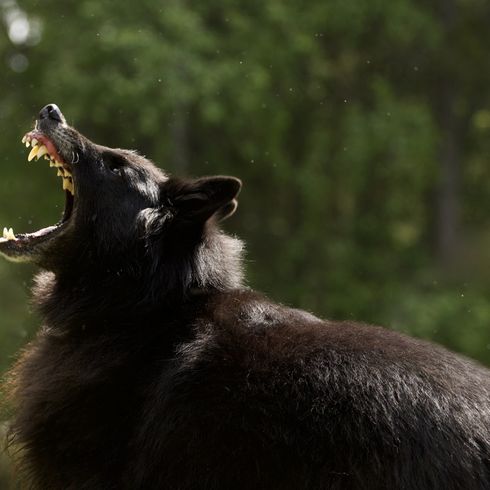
{"x": 22, "y": 246}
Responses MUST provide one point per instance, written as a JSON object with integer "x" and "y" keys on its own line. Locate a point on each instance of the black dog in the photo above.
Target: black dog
{"x": 157, "y": 369}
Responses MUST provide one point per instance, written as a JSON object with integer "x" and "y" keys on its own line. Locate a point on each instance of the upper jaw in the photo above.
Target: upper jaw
{"x": 65, "y": 141}
{"x": 43, "y": 146}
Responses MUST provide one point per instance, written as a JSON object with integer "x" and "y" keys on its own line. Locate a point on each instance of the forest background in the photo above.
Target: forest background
{"x": 360, "y": 128}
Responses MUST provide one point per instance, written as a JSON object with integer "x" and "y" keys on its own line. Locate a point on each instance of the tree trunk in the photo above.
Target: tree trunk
{"x": 448, "y": 197}
{"x": 448, "y": 205}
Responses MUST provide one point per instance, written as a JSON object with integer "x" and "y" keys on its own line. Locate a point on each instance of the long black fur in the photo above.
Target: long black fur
{"x": 157, "y": 369}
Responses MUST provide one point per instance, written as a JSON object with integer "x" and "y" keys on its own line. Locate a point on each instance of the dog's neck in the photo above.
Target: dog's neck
{"x": 163, "y": 282}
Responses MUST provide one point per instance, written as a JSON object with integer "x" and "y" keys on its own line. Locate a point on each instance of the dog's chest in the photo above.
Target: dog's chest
{"x": 77, "y": 407}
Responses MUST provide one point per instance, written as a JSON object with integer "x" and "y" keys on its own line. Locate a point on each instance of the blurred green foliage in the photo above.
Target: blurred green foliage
{"x": 360, "y": 129}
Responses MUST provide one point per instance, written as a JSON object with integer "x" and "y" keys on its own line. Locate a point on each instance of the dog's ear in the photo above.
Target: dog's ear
{"x": 191, "y": 201}
{"x": 199, "y": 199}
{"x": 227, "y": 210}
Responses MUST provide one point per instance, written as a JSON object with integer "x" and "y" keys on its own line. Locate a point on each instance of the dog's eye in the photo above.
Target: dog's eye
{"x": 114, "y": 167}
{"x": 114, "y": 163}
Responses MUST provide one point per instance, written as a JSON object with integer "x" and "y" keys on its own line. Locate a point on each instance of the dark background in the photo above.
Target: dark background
{"x": 360, "y": 128}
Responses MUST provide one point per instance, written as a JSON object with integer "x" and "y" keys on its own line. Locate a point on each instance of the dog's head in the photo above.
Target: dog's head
{"x": 119, "y": 207}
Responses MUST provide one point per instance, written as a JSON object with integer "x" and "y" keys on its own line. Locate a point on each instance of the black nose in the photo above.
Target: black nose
{"x": 51, "y": 111}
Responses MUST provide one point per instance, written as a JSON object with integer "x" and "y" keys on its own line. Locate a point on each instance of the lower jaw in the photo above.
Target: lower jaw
{"x": 29, "y": 247}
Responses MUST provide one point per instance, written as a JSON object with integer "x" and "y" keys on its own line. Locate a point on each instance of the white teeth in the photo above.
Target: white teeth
{"x": 42, "y": 151}
{"x": 68, "y": 185}
{"x": 38, "y": 152}
{"x": 33, "y": 152}
{"x": 8, "y": 234}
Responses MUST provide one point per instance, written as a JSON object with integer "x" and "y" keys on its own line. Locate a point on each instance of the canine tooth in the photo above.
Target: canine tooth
{"x": 68, "y": 185}
{"x": 42, "y": 151}
{"x": 8, "y": 234}
{"x": 33, "y": 153}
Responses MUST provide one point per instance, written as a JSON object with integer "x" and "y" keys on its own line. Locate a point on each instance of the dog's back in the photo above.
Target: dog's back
{"x": 252, "y": 395}
{"x": 264, "y": 396}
